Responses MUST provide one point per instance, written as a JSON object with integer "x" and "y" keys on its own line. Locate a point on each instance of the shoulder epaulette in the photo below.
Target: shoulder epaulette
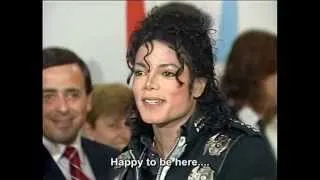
{"x": 244, "y": 127}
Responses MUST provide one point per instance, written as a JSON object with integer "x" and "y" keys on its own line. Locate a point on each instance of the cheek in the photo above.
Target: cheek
{"x": 178, "y": 95}
{"x": 105, "y": 132}
{"x": 102, "y": 132}
{"x": 49, "y": 112}
{"x": 137, "y": 90}
{"x": 80, "y": 106}
{"x": 137, "y": 86}
{"x": 47, "y": 108}
{"x": 44, "y": 110}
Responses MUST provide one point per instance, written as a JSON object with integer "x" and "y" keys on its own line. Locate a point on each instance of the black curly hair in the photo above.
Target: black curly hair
{"x": 185, "y": 29}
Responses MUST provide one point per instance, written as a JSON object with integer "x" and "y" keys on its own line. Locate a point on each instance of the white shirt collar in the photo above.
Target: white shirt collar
{"x": 57, "y": 150}
{"x": 247, "y": 115}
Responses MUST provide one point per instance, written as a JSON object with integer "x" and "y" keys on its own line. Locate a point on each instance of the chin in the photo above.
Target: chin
{"x": 64, "y": 139}
{"x": 152, "y": 120}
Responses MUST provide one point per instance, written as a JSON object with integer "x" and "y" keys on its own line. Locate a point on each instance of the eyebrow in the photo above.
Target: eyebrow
{"x": 140, "y": 64}
{"x": 51, "y": 90}
{"x": 161, "y": 65}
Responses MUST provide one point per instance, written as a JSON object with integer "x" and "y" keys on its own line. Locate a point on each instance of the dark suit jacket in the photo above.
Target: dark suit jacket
{"x": 99, "y": 157}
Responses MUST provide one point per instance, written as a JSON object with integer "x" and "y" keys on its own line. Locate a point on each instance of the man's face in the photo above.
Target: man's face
{"x": 65, "y": 102}
{"x": 159, "y": 97}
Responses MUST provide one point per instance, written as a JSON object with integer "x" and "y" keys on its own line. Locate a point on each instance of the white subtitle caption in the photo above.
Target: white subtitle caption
{"x": 152, "y": 162}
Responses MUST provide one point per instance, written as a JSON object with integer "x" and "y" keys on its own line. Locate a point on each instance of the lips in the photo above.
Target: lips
{"x": 63, "y": 119}
{"x": 152, "y": 101}
{"x": 63, "y": 122}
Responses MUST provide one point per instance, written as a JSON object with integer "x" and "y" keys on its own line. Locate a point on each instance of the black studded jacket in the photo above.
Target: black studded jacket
{"x": 239, "y": 152}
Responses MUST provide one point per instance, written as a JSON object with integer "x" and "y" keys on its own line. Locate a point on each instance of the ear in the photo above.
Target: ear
{"x": 198, "y": 87}
{"x": 89, "y": 102}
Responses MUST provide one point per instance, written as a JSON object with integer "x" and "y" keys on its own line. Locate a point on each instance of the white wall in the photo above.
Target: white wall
{"x": 96, "y": 30}
{"x": 258, "y": 15}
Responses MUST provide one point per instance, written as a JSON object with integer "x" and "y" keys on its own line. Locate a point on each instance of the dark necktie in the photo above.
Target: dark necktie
{"x": 75, "y": 169}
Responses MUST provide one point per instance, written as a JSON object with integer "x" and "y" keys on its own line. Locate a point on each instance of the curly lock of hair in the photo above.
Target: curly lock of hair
{"x": 185, "y": 29}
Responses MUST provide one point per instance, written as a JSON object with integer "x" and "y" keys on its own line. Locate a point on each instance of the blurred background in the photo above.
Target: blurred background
{"x": 98, "y": 30}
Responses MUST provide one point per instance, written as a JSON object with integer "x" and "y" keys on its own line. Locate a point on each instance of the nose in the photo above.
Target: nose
{"x": 151, "y": 82}
{"x": 62, "y": 104}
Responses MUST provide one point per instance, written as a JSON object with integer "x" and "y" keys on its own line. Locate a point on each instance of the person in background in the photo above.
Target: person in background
{"x": 181, "y": 125}
{"x": 66, "y": 98}
{"x": 250, "y": 81}
{"x": 106, "y": 120}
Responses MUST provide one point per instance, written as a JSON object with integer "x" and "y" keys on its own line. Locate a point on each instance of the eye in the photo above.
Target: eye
{"x": 168, "y": 74}
{"x": 111, "y": 125}
{"x": 47, "y": 98}
{"x": 138, "y": 73}
{"x": 73, "y": 95}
